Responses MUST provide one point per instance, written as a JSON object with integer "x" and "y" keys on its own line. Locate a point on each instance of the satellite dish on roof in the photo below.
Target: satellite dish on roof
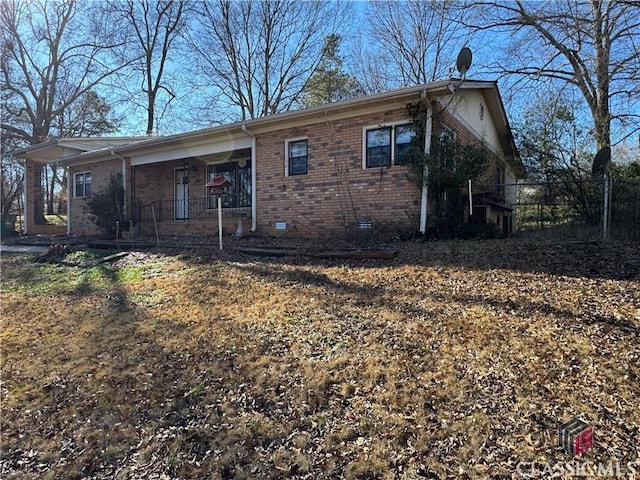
{"x": 600, "y": 161}
{"x": 464, "y": 61}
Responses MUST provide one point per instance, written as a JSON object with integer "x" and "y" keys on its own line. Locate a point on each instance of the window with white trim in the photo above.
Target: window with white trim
{"x": 297, "y": 157}
{"x": 388, "y": 145}
{"x": 379, "y": 147}
{"x": 82, "y": 182}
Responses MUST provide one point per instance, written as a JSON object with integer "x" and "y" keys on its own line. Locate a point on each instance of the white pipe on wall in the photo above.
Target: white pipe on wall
{"x": 424, "y": 204}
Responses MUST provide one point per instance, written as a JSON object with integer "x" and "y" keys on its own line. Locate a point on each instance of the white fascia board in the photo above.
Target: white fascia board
{"x": 177, "y": 152}
{"x": 55, "y": 149}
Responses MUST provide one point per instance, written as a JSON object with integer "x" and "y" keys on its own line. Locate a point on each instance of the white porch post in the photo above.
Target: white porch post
{"x": 70, "y": 193}
{"x": 25, "y": 198}
{"x": 220, "y": 219}
{"x": 424, "y": 205}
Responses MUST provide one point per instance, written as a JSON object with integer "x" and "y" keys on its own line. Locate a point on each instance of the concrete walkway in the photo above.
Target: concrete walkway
{"x": 22, "y": 249}
{"x": 29, "y": 243}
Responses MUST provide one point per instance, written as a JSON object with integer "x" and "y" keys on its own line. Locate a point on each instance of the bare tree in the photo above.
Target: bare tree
{"x": 53, "y": 52}
{"x": 155, "y": 27}
{"x": 11, "y": 178}
{"x": 555, "y": 146}
{"x": 414, "y": 41}
{"x": 89, "y": 116}
{"x": 592, "y": 46}
{"x": 258, "y": 55}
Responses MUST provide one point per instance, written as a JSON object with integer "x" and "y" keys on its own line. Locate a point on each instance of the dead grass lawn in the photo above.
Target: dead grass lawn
{"x": 455, "y": 360}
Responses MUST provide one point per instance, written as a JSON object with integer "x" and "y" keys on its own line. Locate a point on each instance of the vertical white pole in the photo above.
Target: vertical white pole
{"x": 470, "y": 200}
{"x": 424, "y": 206}
{"x": 254, "y": 197}
{"x": 220, "y": 219}
{"x": 124, "y": 186}
{"x": 70, "y": 194}
{"x": 26, "y": 195}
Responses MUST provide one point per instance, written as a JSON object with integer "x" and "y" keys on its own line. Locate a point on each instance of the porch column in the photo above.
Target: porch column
{"x": 424, "y": 206}
{"x": 70, "y": 194}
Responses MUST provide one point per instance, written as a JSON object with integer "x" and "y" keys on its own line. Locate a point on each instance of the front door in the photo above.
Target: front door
{"x": 182, "y": 194}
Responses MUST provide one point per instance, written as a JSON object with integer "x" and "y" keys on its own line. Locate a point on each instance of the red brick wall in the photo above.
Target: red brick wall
{"x": 155, "y": 182}
{"x": 336, "y": 192}
{"x": 81, "y": 222}
{"x": 331, "y": 198}
{"x": 334, "y": 195}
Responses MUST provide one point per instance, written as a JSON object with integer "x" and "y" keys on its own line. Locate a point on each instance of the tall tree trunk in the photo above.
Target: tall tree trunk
{"x": 62, "y": 199}
{"x": 38, "y": 195}
{"x": 51, "y": 193}
{"x": 600, "y": 110}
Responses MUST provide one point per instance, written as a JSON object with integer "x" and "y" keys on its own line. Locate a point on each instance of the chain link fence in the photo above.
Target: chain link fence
{"x": 580, "y": 210}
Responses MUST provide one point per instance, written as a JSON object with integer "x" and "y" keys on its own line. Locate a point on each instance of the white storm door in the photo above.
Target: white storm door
{"x": 182, "y": 194}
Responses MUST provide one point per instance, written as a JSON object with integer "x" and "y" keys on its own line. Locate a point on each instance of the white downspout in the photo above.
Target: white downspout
{"x": 70, "y": 193}
{"x": 425, "y": 174}
{"x": 254, "y": 223}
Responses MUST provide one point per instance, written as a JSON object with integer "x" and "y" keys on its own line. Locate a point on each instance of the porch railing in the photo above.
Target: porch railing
{"x": 191, "y": 209}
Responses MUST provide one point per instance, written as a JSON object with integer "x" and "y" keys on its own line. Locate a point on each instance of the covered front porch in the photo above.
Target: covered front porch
{"x": 176, "y": 196}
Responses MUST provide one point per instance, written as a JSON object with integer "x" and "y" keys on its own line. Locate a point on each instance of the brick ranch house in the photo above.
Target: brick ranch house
{"x": 324, "y": 170}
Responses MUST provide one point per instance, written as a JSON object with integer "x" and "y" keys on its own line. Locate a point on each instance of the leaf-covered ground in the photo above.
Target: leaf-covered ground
{"x": 454, "y": 360}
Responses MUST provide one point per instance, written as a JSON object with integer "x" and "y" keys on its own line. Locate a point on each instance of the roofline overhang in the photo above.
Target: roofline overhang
{"x": 33, "y": 148}
{"x": 237, "y": 130}
{"x": 61, "y": 145}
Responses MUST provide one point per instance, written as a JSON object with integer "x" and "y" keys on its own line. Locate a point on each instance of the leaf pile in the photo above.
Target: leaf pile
{"x": 454, "y": 360}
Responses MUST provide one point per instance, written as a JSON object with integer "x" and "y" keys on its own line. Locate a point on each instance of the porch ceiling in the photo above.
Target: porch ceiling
{"x": 223, "y": 157}
{"x": 208, "y": 152}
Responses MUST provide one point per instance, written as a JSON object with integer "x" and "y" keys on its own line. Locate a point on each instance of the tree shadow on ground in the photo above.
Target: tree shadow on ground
{"x": 603, "y": 260}
{"x": 104, "y": 378}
